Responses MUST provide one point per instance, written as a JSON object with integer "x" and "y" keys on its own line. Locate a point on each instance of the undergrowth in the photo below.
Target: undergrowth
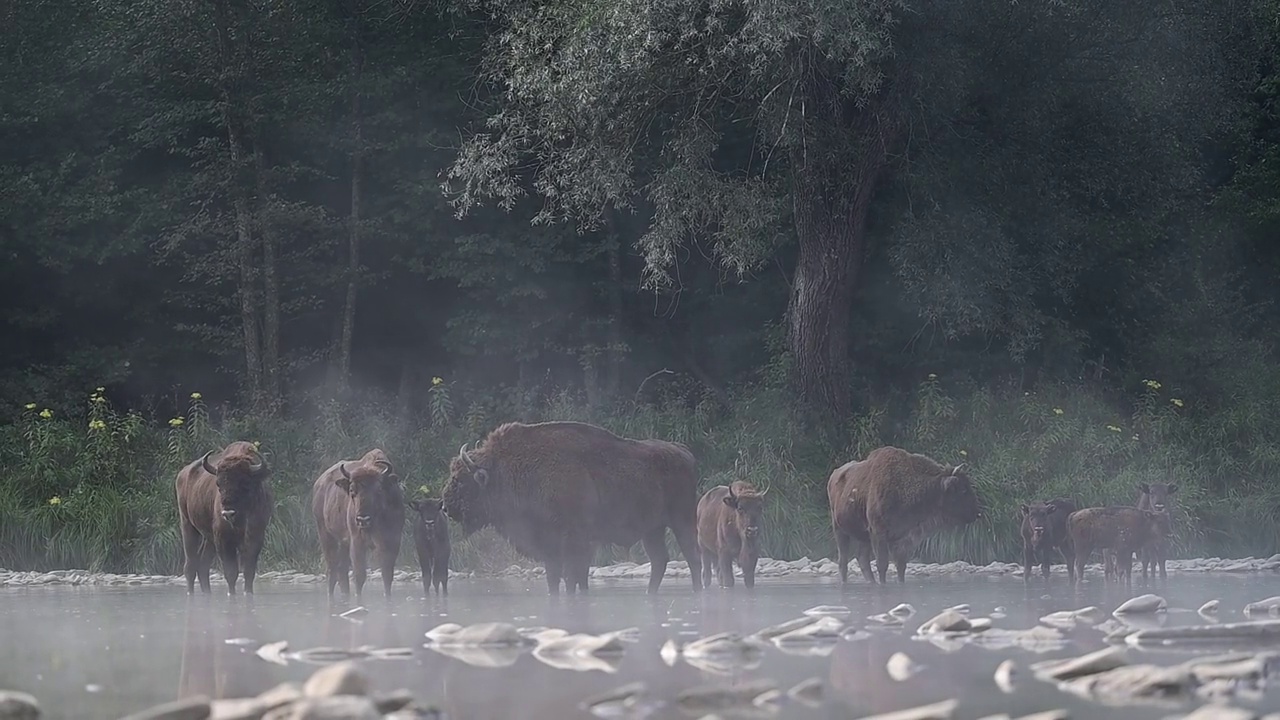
{"x": 96, "y": 491}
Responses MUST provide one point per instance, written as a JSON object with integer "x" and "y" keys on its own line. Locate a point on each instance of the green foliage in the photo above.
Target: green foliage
{"x": 96, "y": 491}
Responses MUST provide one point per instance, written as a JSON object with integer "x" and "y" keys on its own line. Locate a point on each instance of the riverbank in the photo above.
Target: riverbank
{"x": 767, "y": 568}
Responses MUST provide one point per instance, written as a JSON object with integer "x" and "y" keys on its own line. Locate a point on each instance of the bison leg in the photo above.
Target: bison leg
{"x": 843, "y": 543}
{"x": 577, "y": 565}
{"x": 1028, "y": 559}
{"x": 1082, "y": 552}
{"x": 359, "y": 563}
{"x": 748, "y": 564}
{"x": 230, "y": 565}
{"x": 864, "y": 560}
{"x": 726, "y": 569}
{"x": 655, "y": 546}
{"x": 1162, "y": 554}
{"x": 708, "y": 563}
{"x": 687, "y": 539}
{"x": 881, "y": 546}
{"x": 387, "y": 564}
{"x": 440, "y": 574}
{"x": 192, "y": 548}
{"x": 425, "y": 562}
{"x": 555, "y": 567}
{"x": 1069, "y": 557}
{"x": 250, "y": 564}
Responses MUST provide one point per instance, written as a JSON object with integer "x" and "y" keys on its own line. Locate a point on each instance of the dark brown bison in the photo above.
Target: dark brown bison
{"x": 728, "y": 528}
{"x": 431, "y": 539}
{"x": 890, "y": 502}
{"x": 552, "y": 489}
{"x": 224, "y": 506}
{"x": 1157, "y": 497}
{"x": 358, "y": 505}
{"x": 1044, "y": 532}
{"x": 1121, "y": 529}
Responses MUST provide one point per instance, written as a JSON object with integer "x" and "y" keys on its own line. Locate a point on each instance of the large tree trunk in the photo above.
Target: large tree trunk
{"x": 831, "y": 201}
{"x": 342, "y": 353}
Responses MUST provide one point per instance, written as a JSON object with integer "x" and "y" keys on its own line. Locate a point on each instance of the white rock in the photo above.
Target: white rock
{"x": 344, "y": 678}
{"x": 808, "y": 692}
{"x": 1005, "y": 672}
{"x": 828, "y": 610}
{"x": 937, "y": 711}
{"x": 1209, "y": 608}
{"x": 1089, "y": 664}
{"x": 16, "y": 705}
{"x": 1142, "y": 604}
{"x": 902, "y": 610}
{"x": 901, "y": 667}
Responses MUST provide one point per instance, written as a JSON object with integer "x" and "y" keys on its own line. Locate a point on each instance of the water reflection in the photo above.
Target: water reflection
{"x": 132, "y": 642}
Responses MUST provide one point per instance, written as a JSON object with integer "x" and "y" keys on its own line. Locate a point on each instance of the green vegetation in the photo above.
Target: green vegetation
{"x": 782, "y": 233}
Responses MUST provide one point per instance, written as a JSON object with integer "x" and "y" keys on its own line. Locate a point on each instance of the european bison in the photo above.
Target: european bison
{"x": 224, "y": 507}
{"x": 1121, "y": 529}
{"x": 728, "y": 528}
{"x": 431, "y": 539}
{"x": 1157, "y": 497}
{"x": 554, "y": 488}
{"x": 358, "y": 504}
{"x": 1044, "y": 531}
{"x": 892, "y": 500}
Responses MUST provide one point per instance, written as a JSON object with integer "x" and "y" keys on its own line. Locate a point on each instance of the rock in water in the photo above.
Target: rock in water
{"x": 1209, "y": 608}
{"x": 338, "y": 707}
{"x": 937, "y": 711}
{"x": 1219, "y": 712}
{"x": 1090, "y": 664}
{"x": 343, "y": 678}
{"x": 713, "y": 698}
{"x": 1142, "y": 604}
{"x": 1005, "y": 672}
{"x": 808, "y": 692}
{"x": 901, "y": 666}
{"x": 784, "y": 627}
{"x": 16, "y": 705}
{"x": 903, "y": 610}
{"x": 945, "y": 621}
{"x": 828, "y": 610}
{"x": 192, "y": 708}
{"x": 1268, "y": 606}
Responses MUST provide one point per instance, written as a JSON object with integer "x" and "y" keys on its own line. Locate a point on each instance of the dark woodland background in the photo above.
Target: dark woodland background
{"x": 1039, "y": 237}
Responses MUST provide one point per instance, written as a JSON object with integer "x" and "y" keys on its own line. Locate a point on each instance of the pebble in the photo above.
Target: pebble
{"x": 1004, "y": 675}
{"x": 901, "y": 667}
{"x": 16, "y": 705}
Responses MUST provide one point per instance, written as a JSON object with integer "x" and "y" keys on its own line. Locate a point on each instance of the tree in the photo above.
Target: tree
{"x": 742, "y": 126}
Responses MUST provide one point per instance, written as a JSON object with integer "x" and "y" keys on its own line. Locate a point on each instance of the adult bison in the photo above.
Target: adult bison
{"x": 552, "y": 489}
{"x": 729, "y": 529}
{"x": 891, "y": 501}
{"x": 358, "y": 506}
{"x": 224, "y": 506}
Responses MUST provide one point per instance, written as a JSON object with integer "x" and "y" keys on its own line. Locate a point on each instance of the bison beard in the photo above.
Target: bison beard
{"x": 358, "y": 505}
{"x": 890, "y": 502}
{"x": 553, "y": 489}
{"x": 224, "y": 508}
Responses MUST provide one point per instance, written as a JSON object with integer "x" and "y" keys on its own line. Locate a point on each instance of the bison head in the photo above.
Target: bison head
{"x": 748, "y": 508}
{"x": 1037, "y": 515}
{"x": 1158, "y": 494}
{"x": 959, "y": 497}
{"x": 369, "y": 486}
{"x": 239, "y": 475}
{"x": 464, "y": 496}
{"x": 429, "y": 512}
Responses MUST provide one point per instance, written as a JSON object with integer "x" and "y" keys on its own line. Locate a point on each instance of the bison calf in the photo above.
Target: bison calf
{"x": 728, "y": 528}
{"x": 358, "y": 505}
{"x": 1044, "y": 532}
{"x": 224, "y": 506}
{"x": 431, "y": 539}
{"x": 1157, "y": 497}
{"x": 1121, "y": 529}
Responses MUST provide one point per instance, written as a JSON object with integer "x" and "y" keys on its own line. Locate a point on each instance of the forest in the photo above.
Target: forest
{"x": 1038, "y": 237}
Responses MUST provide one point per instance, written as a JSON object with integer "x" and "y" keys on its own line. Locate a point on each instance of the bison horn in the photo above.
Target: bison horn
{"x": 386, "y": 467}
{"x": 258, "y": 466}
{"x": 462, "y": 453}
{"x": 763, "y": 493}
{"x": 958, "y": 468}
{"x": 342, "y": 468}
{"x": 204, "y": 463}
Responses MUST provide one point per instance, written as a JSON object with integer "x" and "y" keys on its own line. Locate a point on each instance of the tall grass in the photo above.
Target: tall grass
{"x": 96, "y": 491}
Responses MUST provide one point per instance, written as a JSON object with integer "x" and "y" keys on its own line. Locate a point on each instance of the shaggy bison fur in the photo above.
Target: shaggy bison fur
{"x": 1121, "y": 529}
{"x": 1044, "y": 532}
{"x": 553, "y": 489}
{"x": 1157, "y": 497}
{"x": 358, "y": 506}
{"x": 728, "y": 528}
{"x": 431, "y": 539}
{"x": 891, "y": 501}
{"x": 224, "y": 506}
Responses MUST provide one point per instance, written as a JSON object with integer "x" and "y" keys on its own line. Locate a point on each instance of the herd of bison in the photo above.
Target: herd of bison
{"x": 554, "y": 490}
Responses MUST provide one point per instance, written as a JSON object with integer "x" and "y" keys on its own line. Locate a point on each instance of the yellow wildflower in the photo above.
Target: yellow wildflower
{"x": 1151, "y": 384}
{"x": 437, "y": 380}
{"x": 1176, "y": 401}
{"x": 1057, "y": 411}
{"x": 100, "y": 390}
{"x": 98, "y": 398}
{"x": 424, "y": 489}
{"x": 1135, "y": 437}
{"x": 1113, "y": 428}
{"x": 46, "y": 413}
{"x": 933, "y": 376}
{"x": 256, "y": 444}
{"x": 97, "y": 425}
{"x": 31, "y": 406}
{"x": 196, "y": 396}
{"x": 55, "y": 500}
{"x": 176, "y": 422}
{"x": 964, "y": 453}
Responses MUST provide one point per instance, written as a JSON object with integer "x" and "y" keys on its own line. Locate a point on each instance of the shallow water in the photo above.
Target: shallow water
{"x": 95, "y": 652}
